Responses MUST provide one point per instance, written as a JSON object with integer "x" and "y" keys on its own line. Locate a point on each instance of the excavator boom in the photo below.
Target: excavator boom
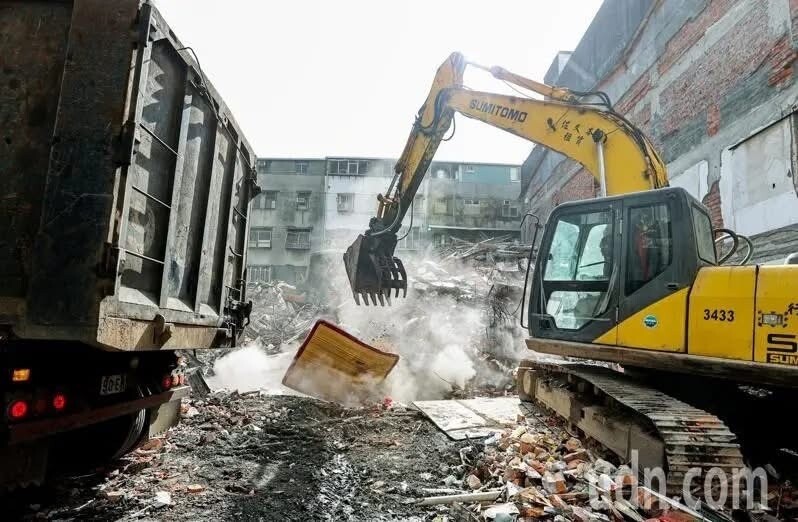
{"x": 582, "y": 126}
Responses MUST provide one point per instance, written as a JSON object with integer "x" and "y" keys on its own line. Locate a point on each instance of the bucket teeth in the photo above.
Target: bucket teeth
{"x": 382, "y": 300}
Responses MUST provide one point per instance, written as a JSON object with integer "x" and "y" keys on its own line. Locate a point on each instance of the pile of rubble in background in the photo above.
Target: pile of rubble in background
{"x": 280, "y": 314}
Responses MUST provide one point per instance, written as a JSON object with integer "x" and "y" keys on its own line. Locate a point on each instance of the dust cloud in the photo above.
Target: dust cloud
{"x": 250, "y": 368}
{"x": 439, "y": 335}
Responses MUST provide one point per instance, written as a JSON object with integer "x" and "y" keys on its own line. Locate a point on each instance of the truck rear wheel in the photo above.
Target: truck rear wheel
{"x": 98, "y": 444}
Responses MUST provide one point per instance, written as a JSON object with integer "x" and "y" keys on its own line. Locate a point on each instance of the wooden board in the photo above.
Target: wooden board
{"x": 333, "y": 365}
{"x": 472, "y": 418}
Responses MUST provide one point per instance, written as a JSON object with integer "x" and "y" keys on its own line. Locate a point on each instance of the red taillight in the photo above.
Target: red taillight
{"x": 166, "y": 383}
{"x": 18, "y": 409}
{"x": 59, "y": 401}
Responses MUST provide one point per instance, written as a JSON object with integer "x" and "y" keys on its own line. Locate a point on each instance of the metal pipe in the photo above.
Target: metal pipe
{"x": 602, "y": 172}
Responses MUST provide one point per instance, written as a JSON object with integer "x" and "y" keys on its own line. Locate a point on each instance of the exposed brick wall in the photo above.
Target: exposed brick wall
{"x": 713, "y": 120}
{"x": 794, "y": 17}
{"x": 727, "y": 61}
{"x": 582, "y": 185}
{"x": 736, "y": 55}
{"x": 691, "y": 32}
{"x": 781, "y": 59}
{"x": 634, "y": 94}
{"x": 712, "y": 202}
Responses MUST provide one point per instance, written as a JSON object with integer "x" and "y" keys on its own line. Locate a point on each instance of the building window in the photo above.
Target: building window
{"x": 346, "y": 202}
{"x": 302, "y": 200}
{"x": 514, "y": 177}
{"x": 442, "y": 172}
{"x": 418, "y": 205}
{"x": 260, "y": 238}
{"x": 269, "y": 200}
{"x": 471, "y": 207}
{"x": 442, "y": 206}
{"x": 469, "y": 169}
{"x": 259, "y": 274}
{"x": 263, "y": 165}
{"x": 301, "y": 167}
{"x": 298, "y": 239}
{"x": 509, "y": 210}
{"x": 349, "y": 167}
{"x": 410, "y": 242}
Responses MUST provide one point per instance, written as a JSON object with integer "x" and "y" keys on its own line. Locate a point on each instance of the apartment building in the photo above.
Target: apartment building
{"x": 286, "y": 218}
{"x": 311, "y": 204}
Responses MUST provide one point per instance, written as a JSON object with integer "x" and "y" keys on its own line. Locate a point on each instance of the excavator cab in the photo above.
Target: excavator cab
{"x": 604, "y": 260}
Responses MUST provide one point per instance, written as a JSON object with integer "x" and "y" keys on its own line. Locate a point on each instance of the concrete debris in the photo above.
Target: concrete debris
{"x": 162, "y": 499}
{"x": 473, "y": 482}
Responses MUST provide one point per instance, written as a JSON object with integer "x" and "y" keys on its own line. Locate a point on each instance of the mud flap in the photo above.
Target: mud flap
{"x": 333, "y": 365}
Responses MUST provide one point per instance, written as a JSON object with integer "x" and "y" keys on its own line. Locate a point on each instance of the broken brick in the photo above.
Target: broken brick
{"x": 576, "y": 455}
{"x": 573, "y": 445}
{"x": 527, "y": 444}
{"x": 554, "y": 482}
{"x": 474, "y": 482}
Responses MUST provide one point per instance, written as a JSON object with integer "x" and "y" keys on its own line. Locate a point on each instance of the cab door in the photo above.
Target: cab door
{"x": 575, "y": 291}
{"x": 655, "y": 281}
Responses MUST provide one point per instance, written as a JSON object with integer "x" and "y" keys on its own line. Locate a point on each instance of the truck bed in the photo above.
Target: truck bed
{"x": 125, "y": 183}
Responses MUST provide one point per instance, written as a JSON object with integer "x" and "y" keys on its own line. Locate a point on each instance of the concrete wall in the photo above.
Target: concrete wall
{"x": 712, "y": 83}
{"x": 343, "y": 224}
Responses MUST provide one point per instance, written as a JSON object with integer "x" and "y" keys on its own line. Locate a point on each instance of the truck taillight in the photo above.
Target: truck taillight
{"x": 166, "y": 382}
{"x": 20, "y": 375}
{"x": 18, "y": 409}
{"x": 59, "y": 401}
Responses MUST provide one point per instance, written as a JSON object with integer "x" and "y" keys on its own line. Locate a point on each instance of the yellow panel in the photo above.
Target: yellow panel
{"x": 609, "y": 337}
{"x": 722, "y": 312}
{"x": 659, "y": 326}
{"x": 776, "y": 321}
{"x": 333, "y": 365}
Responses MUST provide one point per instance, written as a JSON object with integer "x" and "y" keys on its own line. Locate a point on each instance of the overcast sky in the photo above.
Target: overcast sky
{"x": 325, "y": 78}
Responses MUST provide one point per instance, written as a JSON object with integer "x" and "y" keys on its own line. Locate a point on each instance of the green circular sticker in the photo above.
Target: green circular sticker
{"x": 650, "y": 321}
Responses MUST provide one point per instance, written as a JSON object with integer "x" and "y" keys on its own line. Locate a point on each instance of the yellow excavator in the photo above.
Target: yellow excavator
{"x": 632, "y": 278}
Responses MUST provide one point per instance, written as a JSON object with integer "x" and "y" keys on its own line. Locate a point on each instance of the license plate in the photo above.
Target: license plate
{"x": 111, "y": 384}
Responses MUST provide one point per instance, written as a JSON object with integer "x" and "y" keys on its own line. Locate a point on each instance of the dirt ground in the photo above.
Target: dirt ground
{"x": 257, "y": 457}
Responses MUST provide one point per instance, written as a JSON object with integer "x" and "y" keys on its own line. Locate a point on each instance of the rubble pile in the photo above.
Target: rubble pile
{"x": 539, "y": 471}
{"x": 503, "y": 247}
{"x": 280, "y": 314}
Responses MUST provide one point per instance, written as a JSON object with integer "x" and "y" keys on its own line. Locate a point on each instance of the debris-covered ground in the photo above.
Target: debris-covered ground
{"x": 258, "y": 457}
{"x": 263, "y": 457}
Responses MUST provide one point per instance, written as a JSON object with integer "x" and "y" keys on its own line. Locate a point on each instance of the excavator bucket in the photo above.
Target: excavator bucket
{"x": 373, "y": 270}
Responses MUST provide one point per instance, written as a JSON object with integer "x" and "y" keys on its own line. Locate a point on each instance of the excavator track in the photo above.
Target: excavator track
{"x": 688, "y": 437}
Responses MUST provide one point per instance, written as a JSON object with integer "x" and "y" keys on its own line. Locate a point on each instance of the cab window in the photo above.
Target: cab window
{"x": 649, "y": 245}
{"x": 581, "y": 253}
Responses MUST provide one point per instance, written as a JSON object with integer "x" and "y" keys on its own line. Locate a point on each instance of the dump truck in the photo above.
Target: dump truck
{"x": 124, "y": 198}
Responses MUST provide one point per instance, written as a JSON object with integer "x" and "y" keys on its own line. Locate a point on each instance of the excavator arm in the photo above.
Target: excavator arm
{"x": 581, "y": 126}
